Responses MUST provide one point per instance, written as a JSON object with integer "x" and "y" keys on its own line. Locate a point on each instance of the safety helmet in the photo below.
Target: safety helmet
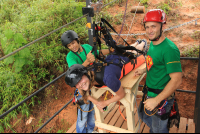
{"x": 74, "y": 74}
{"x": 68, "y": 36}
{"x": 156, "y": 15}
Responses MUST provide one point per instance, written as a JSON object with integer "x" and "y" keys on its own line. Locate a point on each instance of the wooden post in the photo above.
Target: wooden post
{"x": 140, "y": 9}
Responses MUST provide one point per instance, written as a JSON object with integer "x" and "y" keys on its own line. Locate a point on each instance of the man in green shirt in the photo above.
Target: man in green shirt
{"x": 164, "y": 73}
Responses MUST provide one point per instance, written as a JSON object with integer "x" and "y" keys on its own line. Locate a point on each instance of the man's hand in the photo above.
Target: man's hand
{"x": 150, "y": 103}
{"x": 100, "y": 109}
{"x": 138, "y": 72}
{"x": 101, "y": 105}
{"x": 90, "y": 57}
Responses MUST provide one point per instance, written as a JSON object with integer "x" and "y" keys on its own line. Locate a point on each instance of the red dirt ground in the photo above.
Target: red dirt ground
{"x": 181, "y": 36}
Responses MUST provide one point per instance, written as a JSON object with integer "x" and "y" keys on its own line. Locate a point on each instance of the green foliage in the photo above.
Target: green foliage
{"x": 13, "y": 90}
{"x": 196, "y": 35}
{"x": 10, "y": 42}
{"x": 118, "y": 19}
{"x": 192, "y": 52}
{"x": 165, "y": 7}
{"x": 24, "y": 21}
{"x": 145, "y": 3}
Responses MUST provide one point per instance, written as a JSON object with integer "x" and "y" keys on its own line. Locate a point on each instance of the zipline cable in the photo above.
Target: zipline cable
{"x": 42, "y": 37}
{"x": 16, "y": 106}
{"x": 53, "y": 116}
{"x": 132, "y": 22}
{"x": 123, "y": 22}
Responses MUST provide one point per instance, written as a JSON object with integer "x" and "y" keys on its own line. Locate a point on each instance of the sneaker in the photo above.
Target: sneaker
{"x": 139, "y": 41}
{"x": 145, "y": 46}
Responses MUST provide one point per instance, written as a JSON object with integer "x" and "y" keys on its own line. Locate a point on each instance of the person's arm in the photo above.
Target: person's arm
{"x": 89, "y": 59}
{"x": 119, "y": 95}
{"x": 105, "y": 51}
{"x": 170, "y": 88}
{"x": 139, "y": 72}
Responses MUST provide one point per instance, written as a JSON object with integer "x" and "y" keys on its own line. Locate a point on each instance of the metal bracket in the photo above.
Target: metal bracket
{"x": 89, "y": 10}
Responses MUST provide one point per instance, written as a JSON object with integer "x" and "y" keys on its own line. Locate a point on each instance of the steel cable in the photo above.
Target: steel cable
{"x": 42, "y": 37}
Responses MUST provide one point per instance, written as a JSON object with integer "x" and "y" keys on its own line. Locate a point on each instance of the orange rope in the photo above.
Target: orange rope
{"x": 121, "y": 113}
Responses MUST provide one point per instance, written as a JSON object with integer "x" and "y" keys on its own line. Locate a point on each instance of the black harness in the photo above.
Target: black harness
{"x": 120, "y": 50}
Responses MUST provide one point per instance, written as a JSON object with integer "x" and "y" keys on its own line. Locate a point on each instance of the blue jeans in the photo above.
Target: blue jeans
{"x": 155, "y": 124}
{"x": 87, "y": 123}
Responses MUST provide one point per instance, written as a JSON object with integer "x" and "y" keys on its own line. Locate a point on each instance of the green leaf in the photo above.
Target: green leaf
{"x": 8, "y": 33}
{"x": 18, "y": 69}
{"x": 19, "y": 62}
{"x": 18, "y": 37}
{"x": 3, "y": 42}
{"x": 9, "y": 48}
{"x": 9, "y": 60}
{"x": 24, "y": 53}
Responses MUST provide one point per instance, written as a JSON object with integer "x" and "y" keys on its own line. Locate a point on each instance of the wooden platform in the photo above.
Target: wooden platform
{"x": 115, "y": 119}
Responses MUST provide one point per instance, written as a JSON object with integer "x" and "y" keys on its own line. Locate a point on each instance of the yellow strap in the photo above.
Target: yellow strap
{"x": 106, "y": 96}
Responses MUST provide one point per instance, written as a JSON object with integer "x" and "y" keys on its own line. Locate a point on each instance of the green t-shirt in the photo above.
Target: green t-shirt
{"x": 74, "y": 59}
{"x": 161, "y": 60}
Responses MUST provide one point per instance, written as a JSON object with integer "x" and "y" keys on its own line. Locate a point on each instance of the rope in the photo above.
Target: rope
{"x": 16, "y": 106}
{"x": 132, "y": 22}
{"x": 163, "y": 30}
{"x": 53, "y": 116}
{"x": 40, "y": 38}
{"x": 108, "y": 4}
{"x": 121, "y": 113}
{"x": 6, "y": 56}
{"x": 123, "y": 22}
{"x": 154, "y": 111}
{"x": 83, "y": 110}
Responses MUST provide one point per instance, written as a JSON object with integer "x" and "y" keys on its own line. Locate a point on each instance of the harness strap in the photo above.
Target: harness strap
{"x": 79, "y": 56}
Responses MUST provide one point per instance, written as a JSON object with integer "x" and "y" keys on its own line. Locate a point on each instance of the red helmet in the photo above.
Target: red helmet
{"x": 156, "y": 15}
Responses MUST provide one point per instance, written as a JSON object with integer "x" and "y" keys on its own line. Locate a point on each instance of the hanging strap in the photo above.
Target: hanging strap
{"x": 117, "y": 48}
{"x": 79, "y": 56}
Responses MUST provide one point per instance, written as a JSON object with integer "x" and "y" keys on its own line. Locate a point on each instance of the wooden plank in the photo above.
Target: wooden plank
{"x": 191, "y": 126}
{"x": 182, "y": 125}
{"x": 116, "y": 116}
{"x": 136, "y": 118}
{"x": 121, "y": 120}
{"x": 72, "y": 128}
{"x": 142, "y": 127}
{"x": 129, "y": 80}
{"x": 109, "y": 108}
{"x": 113, "y": 128}
{"x": 146, "y": 129}
{"x": 110, "y": 115}
{"x": 173, "y": 129}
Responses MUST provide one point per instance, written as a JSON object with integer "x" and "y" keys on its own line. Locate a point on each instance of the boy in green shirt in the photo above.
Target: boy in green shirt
{"x": 81, "y": 54}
